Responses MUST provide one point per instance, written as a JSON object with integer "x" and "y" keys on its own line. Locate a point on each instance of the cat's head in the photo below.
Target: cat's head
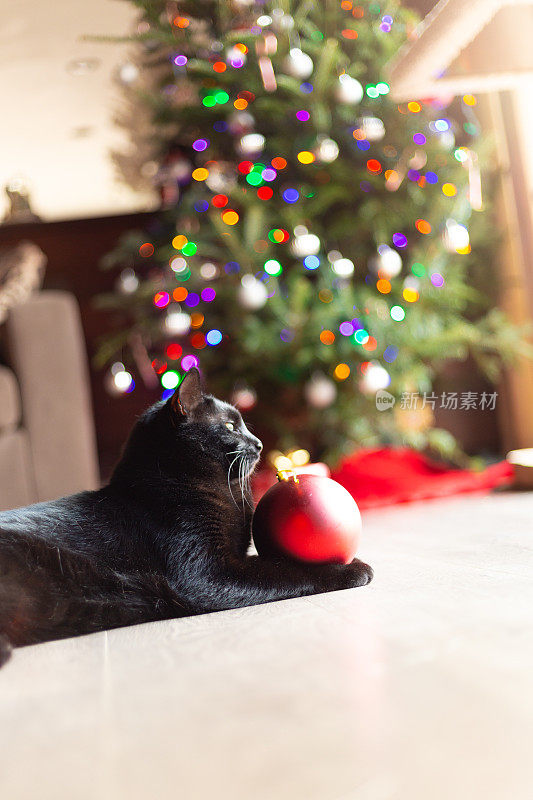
{"x": 215, "y": 425}
{"x": 191, "y": 434}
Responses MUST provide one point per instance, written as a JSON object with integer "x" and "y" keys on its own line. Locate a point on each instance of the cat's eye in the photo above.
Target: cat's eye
{"x": 230, "y": 426}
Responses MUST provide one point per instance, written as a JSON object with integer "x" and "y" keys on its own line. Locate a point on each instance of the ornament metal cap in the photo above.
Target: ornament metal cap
{"x": 286, "y": 474}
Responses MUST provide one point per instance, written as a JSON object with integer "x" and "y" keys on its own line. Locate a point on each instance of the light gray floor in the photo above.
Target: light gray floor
{"x": 415, "y": 688}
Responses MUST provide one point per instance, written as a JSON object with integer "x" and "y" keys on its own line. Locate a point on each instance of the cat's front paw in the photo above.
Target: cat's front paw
{"x": 365, "y": 570}
{"x": 354, "y": 574}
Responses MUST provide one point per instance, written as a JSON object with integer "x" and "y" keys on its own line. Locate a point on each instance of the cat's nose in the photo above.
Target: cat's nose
{"x": 258, "y": 444}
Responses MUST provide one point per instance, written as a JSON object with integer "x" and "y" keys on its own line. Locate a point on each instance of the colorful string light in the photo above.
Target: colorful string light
{"x": 394, "y": 167}
{"x": 230, "y": 217}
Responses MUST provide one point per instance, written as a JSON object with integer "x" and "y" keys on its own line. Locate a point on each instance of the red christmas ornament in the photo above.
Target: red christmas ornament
{"x": 309, "y": 518}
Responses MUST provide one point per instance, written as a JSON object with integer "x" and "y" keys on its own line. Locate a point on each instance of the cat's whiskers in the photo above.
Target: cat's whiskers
{"x": 243, "y": 482}
{"x": 229, "y": 476}
{"x": 247, "y": 488}
{"x": 247, "y": 482}
{"x": 243, "y": 477}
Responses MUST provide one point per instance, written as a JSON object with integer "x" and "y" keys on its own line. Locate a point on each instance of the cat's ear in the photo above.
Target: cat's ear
{"x": 189, "y": 395}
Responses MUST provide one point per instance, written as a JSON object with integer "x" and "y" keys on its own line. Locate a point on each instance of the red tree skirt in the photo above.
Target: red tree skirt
{"x": 386, "y": 476}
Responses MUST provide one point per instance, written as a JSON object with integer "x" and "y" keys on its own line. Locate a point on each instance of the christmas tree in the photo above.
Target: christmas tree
{"x": 318, "y": 243}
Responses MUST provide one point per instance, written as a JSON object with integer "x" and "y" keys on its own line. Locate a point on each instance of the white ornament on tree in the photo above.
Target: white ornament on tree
{"x": 118, "y": 379}
{"x": 252, "y": 293}
{"x": 349, "y": 90}
{"x": 306, "y": 244}
{"x": 298, "y": 64}
{"x": 208, "y": 271}
{"x": 326, "y": 149}
{"x": 128, "y": 73}
{"x": 387, "y": 263}
{"x": 372, "y": 127}
{"x": 343, "y": 267}
{"x": 177, "y": 322}
{"x": 128, "y": 282}
{"x": 178, "y": 264}
{"x": 320, "y": 391}
{"x": 455, "y": 236}
{"x": 251, "y": 144}
{"x": 375, "y": 378}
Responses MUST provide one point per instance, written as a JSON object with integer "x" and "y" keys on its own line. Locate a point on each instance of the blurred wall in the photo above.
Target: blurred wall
{"x": 74, "y": 249}
{"x": 61, "y": 97}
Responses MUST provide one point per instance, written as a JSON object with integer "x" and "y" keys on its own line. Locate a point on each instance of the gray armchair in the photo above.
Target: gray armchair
{"x": 47, "y": 439}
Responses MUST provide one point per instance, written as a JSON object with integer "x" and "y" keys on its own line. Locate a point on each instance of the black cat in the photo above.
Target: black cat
{"x": 167, "y": 537}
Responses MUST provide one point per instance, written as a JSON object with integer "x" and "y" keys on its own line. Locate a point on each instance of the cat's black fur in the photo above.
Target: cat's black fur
{"x": 167, "y": 537}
